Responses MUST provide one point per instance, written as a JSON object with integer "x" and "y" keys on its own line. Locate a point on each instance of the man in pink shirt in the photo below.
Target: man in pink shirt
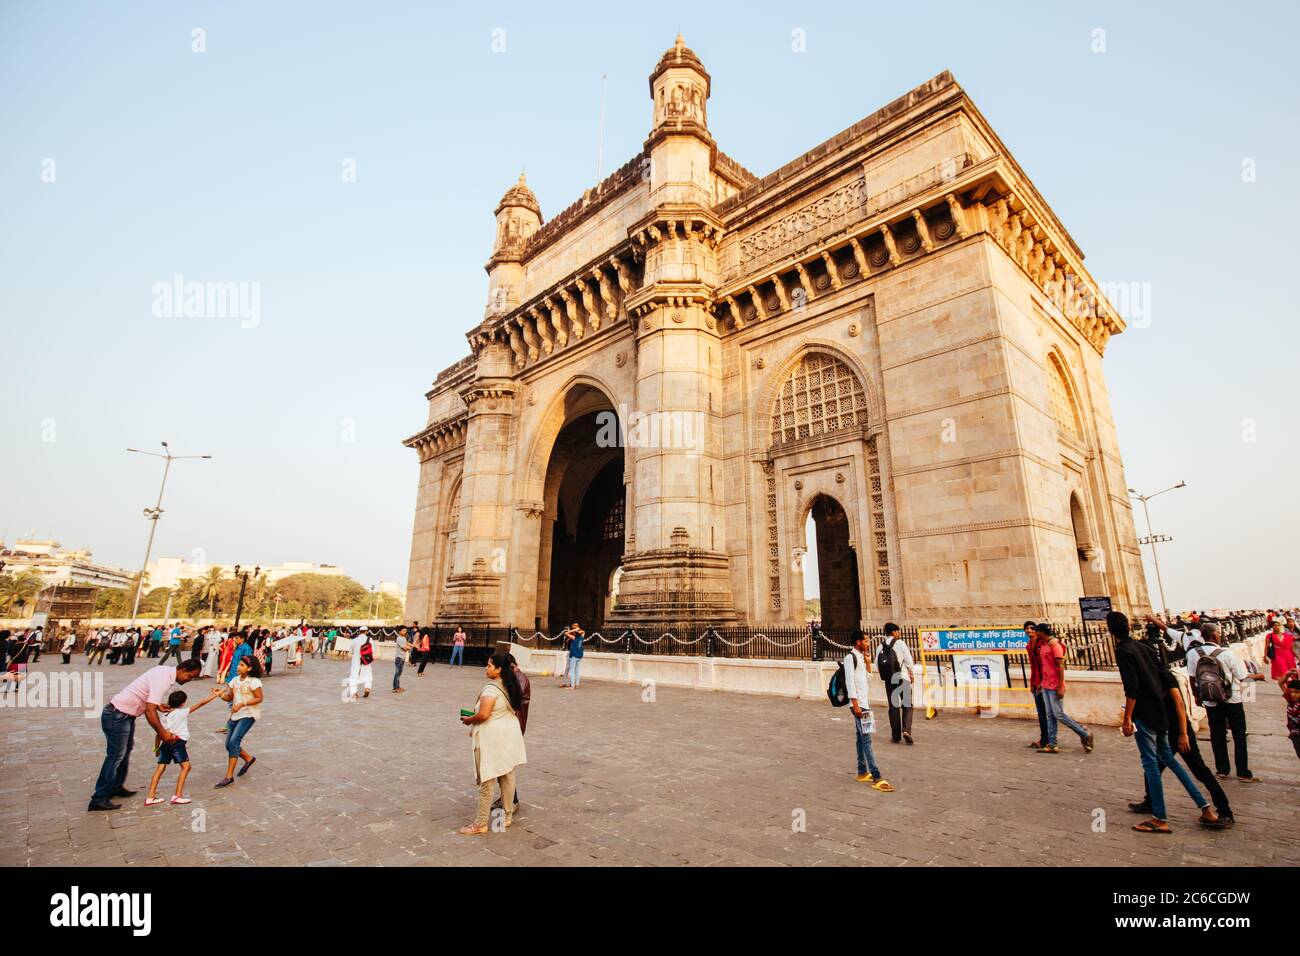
{"x": 141, "y": 696}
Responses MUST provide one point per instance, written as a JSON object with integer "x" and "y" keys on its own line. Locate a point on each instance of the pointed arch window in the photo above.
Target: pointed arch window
{"x": 1064, "y": 409}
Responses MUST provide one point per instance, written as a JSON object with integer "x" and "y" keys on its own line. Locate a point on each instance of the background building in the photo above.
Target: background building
{"x": 59, "y": 567}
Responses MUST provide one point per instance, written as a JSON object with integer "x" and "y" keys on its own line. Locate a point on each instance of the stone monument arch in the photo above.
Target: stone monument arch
{"x": 892, "y": 332}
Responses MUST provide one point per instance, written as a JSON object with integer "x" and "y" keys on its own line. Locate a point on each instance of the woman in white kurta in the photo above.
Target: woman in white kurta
{"x": 498, "y": 741}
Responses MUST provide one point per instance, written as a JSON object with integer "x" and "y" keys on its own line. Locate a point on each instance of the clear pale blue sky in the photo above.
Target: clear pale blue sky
{"x": 226, "y": 166}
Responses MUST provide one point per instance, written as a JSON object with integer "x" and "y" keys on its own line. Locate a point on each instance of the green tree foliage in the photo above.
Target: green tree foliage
{"x": 19, "y": 587}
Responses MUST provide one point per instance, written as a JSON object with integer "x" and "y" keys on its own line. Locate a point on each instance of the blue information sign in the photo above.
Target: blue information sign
{"x": 973, "y": 640}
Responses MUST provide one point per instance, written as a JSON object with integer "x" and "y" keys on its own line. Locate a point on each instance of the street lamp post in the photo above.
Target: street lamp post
{"x": 276, "y": 612}
{"x": 243, "y": 584}
{"x": 153, "y": 514}
{"x": 1154, "y": 539}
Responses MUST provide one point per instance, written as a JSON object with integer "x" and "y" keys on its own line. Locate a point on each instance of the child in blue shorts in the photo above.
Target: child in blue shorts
{"x": 176, "y": 720}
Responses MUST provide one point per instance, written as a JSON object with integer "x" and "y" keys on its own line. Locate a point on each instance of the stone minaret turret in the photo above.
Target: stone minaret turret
{"x": 518, "y": 217}
{"x": 678, "y": 569}
{"x": 680, "y": 146}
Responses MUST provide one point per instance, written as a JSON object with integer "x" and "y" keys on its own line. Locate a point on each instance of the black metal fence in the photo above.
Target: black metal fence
{"x": 1088, "y": 647}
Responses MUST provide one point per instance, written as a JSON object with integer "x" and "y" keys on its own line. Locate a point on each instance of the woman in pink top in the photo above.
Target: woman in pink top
{"x": 1280, "y": 649}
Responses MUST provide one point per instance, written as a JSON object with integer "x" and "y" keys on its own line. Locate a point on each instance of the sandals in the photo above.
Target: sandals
{"x": 153, "y": 801}
{"x": 884, "y": 786}
{"x": 1151, "y": 826}
{"x": 472, "y": 830}
{"x": 179, "y": 800}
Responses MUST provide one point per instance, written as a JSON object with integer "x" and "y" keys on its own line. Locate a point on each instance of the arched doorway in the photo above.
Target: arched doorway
{"x": 836, "y": 565}
{"x": 583, "y": 534}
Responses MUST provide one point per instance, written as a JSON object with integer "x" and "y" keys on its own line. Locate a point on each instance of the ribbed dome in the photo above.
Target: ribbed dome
{"x": 678, "y": 55}
{"x": 520, "y": 195}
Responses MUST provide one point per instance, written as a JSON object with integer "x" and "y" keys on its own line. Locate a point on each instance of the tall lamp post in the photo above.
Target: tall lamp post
{"x": 243, "y": 584}
{"x": 153, "y": 514}
{"x": 1154, "y": 539}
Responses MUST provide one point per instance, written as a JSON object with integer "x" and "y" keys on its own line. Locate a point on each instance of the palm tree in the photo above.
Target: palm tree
{"x": 209, "y": 587}
{"x": 18, "y": 587}
{"x": 185, "y": 593}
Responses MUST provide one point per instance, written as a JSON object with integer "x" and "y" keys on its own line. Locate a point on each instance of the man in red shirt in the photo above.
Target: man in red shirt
{"x": 141, "y": 696}
{"x": 1051, "y": 661}
{"x": 1035, "y": 680}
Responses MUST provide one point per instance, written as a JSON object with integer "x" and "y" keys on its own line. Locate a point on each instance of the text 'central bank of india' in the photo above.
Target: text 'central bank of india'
{"x": 892, "y": 333}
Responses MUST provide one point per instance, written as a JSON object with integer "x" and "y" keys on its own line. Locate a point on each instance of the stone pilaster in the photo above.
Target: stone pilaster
{"x": 474, "y": 584}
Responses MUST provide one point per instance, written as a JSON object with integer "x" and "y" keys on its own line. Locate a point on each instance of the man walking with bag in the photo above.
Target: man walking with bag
{"x": 856, "y": 671}
{"x": 894, "y": 661}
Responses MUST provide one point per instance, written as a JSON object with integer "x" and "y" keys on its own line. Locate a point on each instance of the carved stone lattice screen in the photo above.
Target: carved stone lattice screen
{"x": 822, "y": 395}
{"x": 773, "y": 547}
{"x": 883, "y": 588}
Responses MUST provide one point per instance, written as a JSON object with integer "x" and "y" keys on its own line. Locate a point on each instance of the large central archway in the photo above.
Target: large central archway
{"x": 582, "y": 537}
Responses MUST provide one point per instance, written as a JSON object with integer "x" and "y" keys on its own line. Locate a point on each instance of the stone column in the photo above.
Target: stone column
{"x": 481, "y": 557}
{"x": 677, "y": 568}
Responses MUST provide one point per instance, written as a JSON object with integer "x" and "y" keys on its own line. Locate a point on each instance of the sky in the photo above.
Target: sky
{"x": 340, "y": 163}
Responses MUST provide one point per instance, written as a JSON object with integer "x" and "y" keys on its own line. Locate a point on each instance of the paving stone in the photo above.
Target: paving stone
{"x": 699, "y": 779}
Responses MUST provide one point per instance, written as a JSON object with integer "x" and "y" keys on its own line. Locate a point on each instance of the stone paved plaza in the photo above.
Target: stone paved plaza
{"x": 692, "y": 778}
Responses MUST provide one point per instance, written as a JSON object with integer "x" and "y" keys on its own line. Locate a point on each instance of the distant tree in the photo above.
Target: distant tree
{"x": 209, "y": 586}
{"x": 15, "y": 588}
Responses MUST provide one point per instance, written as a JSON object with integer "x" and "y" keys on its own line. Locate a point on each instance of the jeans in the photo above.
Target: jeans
{"x": 1056, "y": 712}
{"x": 398, "y": 664}
{"x": 236, "y": 731}
{"x": 119, "y": 733}
{"x": 900, "y": 709}
{"x": 1156, "y": 757}
{"x": 864, "y": 727}
{"x": 1225, "y": 717}
{"x": 1042, "y": 717}
{"x": 1196, "y": 764}
{"x": 572, "y": 671}
{"x": 458, "y": 654}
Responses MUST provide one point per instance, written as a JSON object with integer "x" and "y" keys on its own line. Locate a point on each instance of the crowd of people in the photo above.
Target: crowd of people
{"x": 1166, "y": 667}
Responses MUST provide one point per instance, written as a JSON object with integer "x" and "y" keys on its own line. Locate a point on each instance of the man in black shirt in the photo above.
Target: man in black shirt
{"x": 1182, "y": 736}
{"x": 1145, "y": 719}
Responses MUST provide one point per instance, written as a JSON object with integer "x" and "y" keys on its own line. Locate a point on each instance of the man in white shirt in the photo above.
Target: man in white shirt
{"x": 895, "y": 664}
{"x": 1223, "y": 715}
{"x": 360, "y": 673}
{"x": 856, "y": 671}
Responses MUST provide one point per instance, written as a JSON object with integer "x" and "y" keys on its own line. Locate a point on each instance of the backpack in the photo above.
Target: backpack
{"x": 1209, "y": 681}
{"x": 837, "y": 691}
{"x": 367, "y": 653}
{"x": 886, "y": 662}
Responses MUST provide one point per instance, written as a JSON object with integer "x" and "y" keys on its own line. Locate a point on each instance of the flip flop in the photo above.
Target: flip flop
{"x": 884, "y": 786}
{"x": 1150, "y": 826}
